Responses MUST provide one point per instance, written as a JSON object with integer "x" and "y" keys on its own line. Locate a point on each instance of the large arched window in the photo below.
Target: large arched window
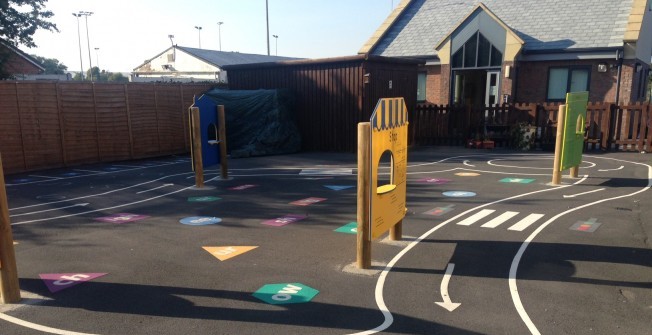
{"x": 477, "y": 52}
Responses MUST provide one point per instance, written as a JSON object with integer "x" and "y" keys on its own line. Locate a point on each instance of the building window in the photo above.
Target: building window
{"x": 421, "y": 87}
{"x": 477, "y": 52}
{"x": 562, "y": 80}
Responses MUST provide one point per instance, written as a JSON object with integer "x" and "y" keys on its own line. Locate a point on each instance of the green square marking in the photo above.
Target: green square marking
{"x": 517, "y": 180}
{"x": 349, "y": 228}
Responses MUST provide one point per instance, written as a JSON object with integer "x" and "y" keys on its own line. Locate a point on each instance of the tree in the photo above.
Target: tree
{"x": 51, "y": 65}
{"x": 20, "y": 19}
{"x": 117, "y": 76}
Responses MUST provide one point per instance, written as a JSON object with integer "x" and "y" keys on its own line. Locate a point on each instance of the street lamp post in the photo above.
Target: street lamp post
{"x": 276, "y": 44}
{"x": 97, "y": 59}
{"x": 267, "y": 18}
{"x": 88, "y": 41}
{"x": 199, "y": 30}
{"x": 81, "y": 63}
{"x": 219, "y": 33}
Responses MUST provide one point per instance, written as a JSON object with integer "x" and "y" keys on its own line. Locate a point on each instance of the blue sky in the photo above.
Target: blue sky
{"x": 129, "y": 32}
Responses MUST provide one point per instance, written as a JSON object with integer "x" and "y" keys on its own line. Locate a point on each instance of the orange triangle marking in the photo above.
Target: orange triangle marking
{"x": 227, "y": 252}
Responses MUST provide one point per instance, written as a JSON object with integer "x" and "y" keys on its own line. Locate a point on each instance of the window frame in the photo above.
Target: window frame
{"x": 425, "y": 86}
{"x": 570, "y": 69}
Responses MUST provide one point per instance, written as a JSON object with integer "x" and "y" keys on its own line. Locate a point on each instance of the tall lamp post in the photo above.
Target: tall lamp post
{"x": 199, "y": 30}
{"x": 97, "y": 59}
{"x": 267, "y": 18}
{"x": 88, "y": 41}
{"x": 81, "y": 63}
{"x": 276, "y": 44}
{"x": 219, "y": 33}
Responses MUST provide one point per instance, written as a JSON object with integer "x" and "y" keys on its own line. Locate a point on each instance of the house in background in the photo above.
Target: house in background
{"x": 17, "y": 64}
{"x": 183, "y": 64}
{"x": 495, "y": 51}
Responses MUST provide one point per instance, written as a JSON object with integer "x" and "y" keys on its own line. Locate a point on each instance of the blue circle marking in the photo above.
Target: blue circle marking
{"x": 200, "y": 220}
{"x": 459, "y": 194}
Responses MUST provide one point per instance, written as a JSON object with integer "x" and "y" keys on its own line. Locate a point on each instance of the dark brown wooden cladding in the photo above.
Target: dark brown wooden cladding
{"x": 331, "y": 95}
{"x": 48, "y": 125}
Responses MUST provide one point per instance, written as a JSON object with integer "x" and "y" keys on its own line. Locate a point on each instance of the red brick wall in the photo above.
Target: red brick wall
{"x": 18, "y": 65}
{"x": 532, "y": 80}
{"x": 438, "y": 85}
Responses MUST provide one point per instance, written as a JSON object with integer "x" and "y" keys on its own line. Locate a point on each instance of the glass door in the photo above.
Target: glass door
{"x": 491, "y": 91}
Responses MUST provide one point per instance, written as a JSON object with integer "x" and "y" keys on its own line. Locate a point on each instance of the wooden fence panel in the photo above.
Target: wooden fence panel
{"x": 11, "y": 143}
{"x": 597, "y": 125}
{"x": 79, "y": 120}
{"x": 144, "y": 121}
{"x": 112, "y": 122}
{"x": 39, "y": 119}
{"x": 170, "y": 118}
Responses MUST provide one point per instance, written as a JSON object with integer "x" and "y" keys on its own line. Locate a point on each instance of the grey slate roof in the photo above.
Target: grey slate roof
{"x": 222, "y": 58}
{"x": 542, "y": 24}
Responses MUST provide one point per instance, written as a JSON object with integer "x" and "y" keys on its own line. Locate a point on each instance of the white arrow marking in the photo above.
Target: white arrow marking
{"x": 49, "y": 210}
{"x": 155, "y": 188}
{"x": 447, "y": 304}
{"x": 578, "y": 194}
{"x": 620, "y": 168}
{"x": 466, "y": 162}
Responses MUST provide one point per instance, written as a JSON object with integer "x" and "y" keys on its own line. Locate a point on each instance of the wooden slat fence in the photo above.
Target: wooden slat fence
{"x": 49, "y": 124}
{"x": 608, "y": 127}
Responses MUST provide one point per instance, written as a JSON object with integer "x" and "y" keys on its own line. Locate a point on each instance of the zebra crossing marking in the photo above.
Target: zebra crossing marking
{"x": 495, "y": 222}
{"x": 526, "y": 222}
{"x": 475, "y": 217}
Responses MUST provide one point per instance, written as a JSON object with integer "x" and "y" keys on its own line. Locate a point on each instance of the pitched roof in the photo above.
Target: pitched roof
{"x": 22, "y": 55}
{"x": 222, "y": 58}
{"x": 542, "y": 24}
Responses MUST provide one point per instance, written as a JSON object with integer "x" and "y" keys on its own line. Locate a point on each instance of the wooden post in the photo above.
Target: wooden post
{"x": 363, "y": 259}
{"x": 396, "y": 232}
{"x": 556, "y": 173}
{"x": 221, "y": 120}
{"x": 196, "y": 147}
{"x": 9, "y": 287}
{"x": 574, "y": 172}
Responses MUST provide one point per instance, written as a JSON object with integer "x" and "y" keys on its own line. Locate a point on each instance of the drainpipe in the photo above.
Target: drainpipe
{"x": 619, "y": 60}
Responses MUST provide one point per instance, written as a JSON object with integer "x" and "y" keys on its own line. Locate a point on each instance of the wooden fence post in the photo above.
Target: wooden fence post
{"x": 556, "y": 174}
{"x": 221, "y": 120}
{"x": 9, "y": 287}
{"x": 196, "y": 147}
{"x": 363, "y": 259}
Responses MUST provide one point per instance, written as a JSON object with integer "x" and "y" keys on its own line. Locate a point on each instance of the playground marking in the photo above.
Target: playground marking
{"x": 459, "y": 194}
{"x": 588, "y": 226}
{"x": 327, "y": 172}
{"x": 200, "y": 220}
{"x": 155, "y": 188}
{"x": 526, "y": 222}
{"x": 475, "y": 217}
{"x": 517, "y": 180}
{"x": 583, "y": 193}
{"x": 439, "y": 211}
{"x": 605, "y": 170}
{"x": 203, "y": 199}
{"x": 56, "y": 282}
{"x": 228, "y": 252}
{"x": 497, "y": 221}
{"x": 307, "y": 201}
{"x": 51, "y": 197}
{"x": 285, "y": 293}
{"x": 467, "y": 174}
{"x": 349, "y": 228}
{"x": 242, "y": 187}
{"x": 338, "y": 187}
{"x": 52, "y": 209}
{"x": 466, "y": 162}
{"x": 284, "y": 220}
{"x": 436, "y": 181}
{"x": 122, "y": 218}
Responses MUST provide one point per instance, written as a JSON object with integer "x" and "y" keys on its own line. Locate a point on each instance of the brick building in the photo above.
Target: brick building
{"x": 484, "y": 53}
{"x": 17, "y": 64}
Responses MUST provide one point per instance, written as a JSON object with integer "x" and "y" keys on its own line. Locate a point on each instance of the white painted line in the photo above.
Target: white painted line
{"x": 380, "y": 284}
{"x": 475, "y": 217}
{"x": 583, "y": 193}
{"x": 526, "y": 222}
{"x": 513, "y": 271}
{"x": 497, "y": 221}
{"x": 38, "y": 176}
{"x": 447, "y": 304}
{"x": 466, "y": 162}
{"x": 155, "y": 188}
{"x": 336, "y": 171}
{"x": 49, "y": 210}
{"x": 92, "y": 171}
{"x": 620, "y": 168}
{"x": 128, "y": 166}
{"x": 38, "y": 327}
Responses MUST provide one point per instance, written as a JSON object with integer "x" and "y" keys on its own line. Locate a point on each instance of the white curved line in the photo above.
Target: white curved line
{"x": 38, "y": 327}
{"x": 620, "y": 168}
{"x": 517, "y": 259}
{"x": 380, "y": 301}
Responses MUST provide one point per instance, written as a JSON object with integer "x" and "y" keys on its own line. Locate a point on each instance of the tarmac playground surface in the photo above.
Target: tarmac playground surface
{"x": 490, "y": 247}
